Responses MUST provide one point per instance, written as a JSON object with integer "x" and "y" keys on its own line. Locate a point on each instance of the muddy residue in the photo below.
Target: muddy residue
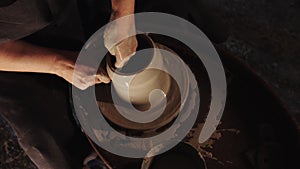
{"x": 205, "y": 149}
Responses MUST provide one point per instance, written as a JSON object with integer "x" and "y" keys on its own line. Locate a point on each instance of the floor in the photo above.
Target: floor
{"x": 266, "y": 35}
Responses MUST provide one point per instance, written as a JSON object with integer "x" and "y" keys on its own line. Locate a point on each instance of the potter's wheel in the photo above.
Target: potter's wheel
{"x": 175, "y": 101}
{"x": 267, "y": 137}
{"x": 182, "y": 156}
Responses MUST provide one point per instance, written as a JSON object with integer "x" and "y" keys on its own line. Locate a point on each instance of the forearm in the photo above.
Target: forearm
{"x": 122, "y": 7}
{"x": 19, "y": 56}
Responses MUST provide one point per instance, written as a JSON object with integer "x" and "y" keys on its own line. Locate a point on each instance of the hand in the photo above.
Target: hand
{"x": 115, "y": 32}
{"x": 84, "y": 77}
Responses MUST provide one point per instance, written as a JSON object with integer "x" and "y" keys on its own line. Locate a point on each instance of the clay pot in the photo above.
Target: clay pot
{"x": 141, "y": 75}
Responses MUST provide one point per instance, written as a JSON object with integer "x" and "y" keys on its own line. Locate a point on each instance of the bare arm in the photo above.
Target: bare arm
{"x": 20, "y": 56}
{"x": 122, "y": 7}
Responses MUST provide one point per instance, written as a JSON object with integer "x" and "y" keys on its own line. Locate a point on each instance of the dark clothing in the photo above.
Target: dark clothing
{"x": 6, "y": 2}
{"x": 22, "y": 18}
{"x": 68, "y": 23}
{"x": 64, "y": 31}
{"x": 53, "y": 23}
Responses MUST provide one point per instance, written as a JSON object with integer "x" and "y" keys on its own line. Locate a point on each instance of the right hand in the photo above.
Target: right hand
{"x": 84, "y": 77}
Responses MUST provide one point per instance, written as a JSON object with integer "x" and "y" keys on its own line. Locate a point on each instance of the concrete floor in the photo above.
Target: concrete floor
{"x": 11, "y": 155}
{"x": 265, "y": 34}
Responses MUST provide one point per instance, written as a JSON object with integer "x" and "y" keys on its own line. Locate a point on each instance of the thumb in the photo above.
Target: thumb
{"x": 121, "y": 58}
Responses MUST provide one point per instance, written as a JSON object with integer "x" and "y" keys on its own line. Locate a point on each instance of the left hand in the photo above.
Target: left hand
{"x": 115, "y": 33}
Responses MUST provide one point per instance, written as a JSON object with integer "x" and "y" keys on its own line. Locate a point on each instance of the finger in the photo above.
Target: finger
{"x": 83, "y": 82}
{"x": 112, "y": 51}
{"x": 79, "y": 84}
{"x": 102, "y": 74}
{"x": 121, "y": 60}
{"x": 98, "y": 80}
{"x": 104, "y": 78}
{"x": 125, "y": 50}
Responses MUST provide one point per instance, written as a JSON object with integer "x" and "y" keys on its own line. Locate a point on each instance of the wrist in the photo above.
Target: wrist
{"x": 122, "y": 8}
{"x": 57, "y": 65}
{"x": 63, "y": 60}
